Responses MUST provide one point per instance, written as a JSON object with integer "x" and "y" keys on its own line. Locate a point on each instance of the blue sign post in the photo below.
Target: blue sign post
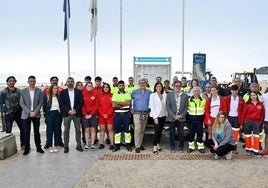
{"x": 199, "y": 68}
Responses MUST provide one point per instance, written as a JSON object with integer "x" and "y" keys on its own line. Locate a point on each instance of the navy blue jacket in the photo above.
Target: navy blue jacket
{"x": 65, "y": 104}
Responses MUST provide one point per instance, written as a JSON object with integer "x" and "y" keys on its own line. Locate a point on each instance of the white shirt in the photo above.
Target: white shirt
{"x": 215, "y": 106}
{"x": 71, "y": 96}
{"x": 32, "y": 98}
{"x": 157, "y": 106}
{"x": 234, "y": 106}
{"x": 178, "y": 100}
{"x": 264, "y": 99}
{"x": 55, "y": 104}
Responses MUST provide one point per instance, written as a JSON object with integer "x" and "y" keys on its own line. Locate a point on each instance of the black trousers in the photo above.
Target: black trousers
{"x": 158, "y": 130}
{"x": 222, "y": 150}
{"x": 27, "y": 131}
{"x": 9, "y": 119}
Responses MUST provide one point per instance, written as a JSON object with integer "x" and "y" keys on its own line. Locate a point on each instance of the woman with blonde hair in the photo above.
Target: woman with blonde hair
{"x": 222, "y": 142}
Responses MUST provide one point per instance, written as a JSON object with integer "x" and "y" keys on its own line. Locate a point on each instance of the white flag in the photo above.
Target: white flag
{"x": 93, "y": 10}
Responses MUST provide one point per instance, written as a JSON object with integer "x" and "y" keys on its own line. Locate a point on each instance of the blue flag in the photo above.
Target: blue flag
{"x": 67, "y": 14}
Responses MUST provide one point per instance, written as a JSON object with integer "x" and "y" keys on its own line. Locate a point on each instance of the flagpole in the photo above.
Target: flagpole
{"x": 68, "y": 38}
{"x": 121, "y": 22}
{"x": 182, "y": 55}
{"x": 95, "y": 57}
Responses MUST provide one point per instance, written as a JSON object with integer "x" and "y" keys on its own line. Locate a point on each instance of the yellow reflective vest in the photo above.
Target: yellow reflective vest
{"x": 196, "y": 106}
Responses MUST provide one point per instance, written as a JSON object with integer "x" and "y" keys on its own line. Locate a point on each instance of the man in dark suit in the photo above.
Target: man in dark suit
{"x": 31, "y": 101}
{"x": 71, "y": 102}
{"x": 177, "y": 106}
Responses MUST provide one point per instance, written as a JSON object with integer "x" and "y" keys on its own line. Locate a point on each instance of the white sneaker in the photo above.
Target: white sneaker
{"x": 93, "y": 147}
{"x": 86, "y": 147}
{"x": 56, "y": 149}
{"x": 216, "y": 157}
{"x": 228, "y": 156}
{"x": 51, "y": 150}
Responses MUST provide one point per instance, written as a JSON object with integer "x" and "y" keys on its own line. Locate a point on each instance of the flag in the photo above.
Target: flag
{"x": 93, "y": 10}
{"x": 67, "y": 15}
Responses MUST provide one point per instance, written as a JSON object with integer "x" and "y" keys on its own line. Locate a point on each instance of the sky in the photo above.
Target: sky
{"x": 232, "y": 34}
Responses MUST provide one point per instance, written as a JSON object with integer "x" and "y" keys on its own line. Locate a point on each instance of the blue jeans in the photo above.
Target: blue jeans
{"x": 180, "y": 127}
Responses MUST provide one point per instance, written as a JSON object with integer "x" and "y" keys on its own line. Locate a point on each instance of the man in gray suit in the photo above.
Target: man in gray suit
{"x": 177, "y": 106}
{"x": 31, "y": 101}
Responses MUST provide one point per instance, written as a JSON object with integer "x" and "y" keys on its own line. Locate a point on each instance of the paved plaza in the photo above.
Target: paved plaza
{"x": 104, "y": 168}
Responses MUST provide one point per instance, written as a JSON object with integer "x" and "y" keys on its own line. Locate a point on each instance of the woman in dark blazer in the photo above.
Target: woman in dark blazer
{"x": 53, "y": 118}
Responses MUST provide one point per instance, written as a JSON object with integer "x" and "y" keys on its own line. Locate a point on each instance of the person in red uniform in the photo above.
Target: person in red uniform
{"x": 212, "y": 108}
{"x": 106, "y": 113}
{"x": 89, "y": 113}
{"x": 98, "y": 90}
{"x": 233, "y": 106}
{"x": 252, "y": 118}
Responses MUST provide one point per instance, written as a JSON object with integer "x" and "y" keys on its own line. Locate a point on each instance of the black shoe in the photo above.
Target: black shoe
{"x": 189, "y": 150}
{"x": 142, "y": 148}
{"x": 66, "y": 149}
{"x": 26, "y": 152}
{"x": 96, "y": 141}
{"x": 79, "y": 148}
{"x": 101, "y": 146}
{"x": 46, "y": 146}
{"x": 39, "y": 150}
{"x": 241, "y": 140}
{"x": 111, "y": 147}
{"x": 211, "y": 151}
{"x": 137, "y": 150}
{"x": 108, "y": 141}
{"x": 129, "y": 148}
{"x": 201, "y": 150}
{"x": 257, "y": 154}
{"x": 116, "y": 149}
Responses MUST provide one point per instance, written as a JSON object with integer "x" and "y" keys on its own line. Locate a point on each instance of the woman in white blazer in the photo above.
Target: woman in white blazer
{"x": 158, "y": 112}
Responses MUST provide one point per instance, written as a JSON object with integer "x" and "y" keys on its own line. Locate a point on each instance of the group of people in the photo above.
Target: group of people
{"x": 112, "y": 109}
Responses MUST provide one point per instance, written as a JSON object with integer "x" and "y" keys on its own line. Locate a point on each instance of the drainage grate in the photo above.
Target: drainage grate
{"x": 167, "y": 157}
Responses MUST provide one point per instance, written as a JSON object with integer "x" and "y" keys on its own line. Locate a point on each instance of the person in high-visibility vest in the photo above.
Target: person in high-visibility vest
{"x": 121, "y": 103}
{"x": 196, "y": 110}
{"x": 185, "y": 88}
{"x": 252, "y": 118}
